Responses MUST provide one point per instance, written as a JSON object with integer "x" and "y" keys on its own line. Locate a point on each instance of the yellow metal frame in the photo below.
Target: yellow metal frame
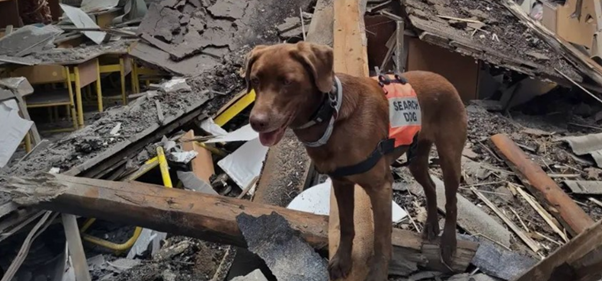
{"x": 112, "y": 68}
{"x": 235, "y": 109}
{"x": 120, "y": 248}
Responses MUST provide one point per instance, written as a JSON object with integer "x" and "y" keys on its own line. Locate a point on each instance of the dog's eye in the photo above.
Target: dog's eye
{"x": 254, "y": 81}
{"x": 286, "y": 82}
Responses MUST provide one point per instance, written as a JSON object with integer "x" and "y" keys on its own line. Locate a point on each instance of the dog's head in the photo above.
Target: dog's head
{"x": 289, "y": 81}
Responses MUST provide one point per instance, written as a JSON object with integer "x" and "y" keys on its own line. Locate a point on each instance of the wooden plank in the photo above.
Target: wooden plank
{"x": 542, "y": 186}
{"x": 76, "y": 249}
{"x": 88, "y": 72}
{"x": 193, "y": 214}
{"x": 202, "y": 164}
{"x": 580, "y": 259}
{"x": 350, "y": 57}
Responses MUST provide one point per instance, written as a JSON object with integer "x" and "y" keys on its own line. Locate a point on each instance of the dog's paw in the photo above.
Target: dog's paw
{"x": 339, "y": 266}
{"x": 449, "y": 244}
{"x": 430, "y": 231}
{"x": 378, "y": 271}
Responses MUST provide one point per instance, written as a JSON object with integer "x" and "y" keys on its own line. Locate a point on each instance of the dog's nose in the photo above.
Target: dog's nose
{"x": 258, "y": 121}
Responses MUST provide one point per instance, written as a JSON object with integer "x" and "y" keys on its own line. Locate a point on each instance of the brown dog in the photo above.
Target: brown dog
{"x": 295, "y": 83}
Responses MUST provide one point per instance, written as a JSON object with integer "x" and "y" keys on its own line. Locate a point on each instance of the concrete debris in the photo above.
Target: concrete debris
{"x": 28, "y": 39}
{"x": 168, "y": 253}
{"x": 175, "y": 85}
{"x": 256, "y": 275}
{"x": 283, "y": 250}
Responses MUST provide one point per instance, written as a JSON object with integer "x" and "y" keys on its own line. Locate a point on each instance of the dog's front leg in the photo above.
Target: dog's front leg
{"x": 340, "y": 264}
{"x": 380, "y": 197}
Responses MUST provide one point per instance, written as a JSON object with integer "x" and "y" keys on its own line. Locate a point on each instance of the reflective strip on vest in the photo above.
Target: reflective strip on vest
{"x": 405, "y": 119}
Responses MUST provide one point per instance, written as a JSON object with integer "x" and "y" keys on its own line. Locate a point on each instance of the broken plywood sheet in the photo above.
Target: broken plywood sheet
{"x": 585, "y": 187}
{"x": 83, "y": 20}
{"x": 13, "y": 128}
{"x": 502, "y": 39}
{"x": 588, "y": 144}
{"x": 282, "y": 249}
{"x": 472, "y": 219}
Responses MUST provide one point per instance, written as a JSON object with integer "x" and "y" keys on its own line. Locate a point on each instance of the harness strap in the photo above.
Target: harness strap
{"x": 383, "y": 147}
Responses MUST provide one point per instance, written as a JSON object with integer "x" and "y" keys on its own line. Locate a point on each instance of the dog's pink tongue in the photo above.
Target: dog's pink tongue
{"x": 271, "y": 138}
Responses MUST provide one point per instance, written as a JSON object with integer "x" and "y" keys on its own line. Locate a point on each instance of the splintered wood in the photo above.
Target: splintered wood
{"x": 198, "y": 215}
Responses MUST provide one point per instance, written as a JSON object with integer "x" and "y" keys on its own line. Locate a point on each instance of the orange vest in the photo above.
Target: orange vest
{"x": 405, "y": 119}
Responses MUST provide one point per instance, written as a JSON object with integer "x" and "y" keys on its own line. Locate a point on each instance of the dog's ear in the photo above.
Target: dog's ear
{"x": 252, "y": 56}
{"x": 319, "y": 59}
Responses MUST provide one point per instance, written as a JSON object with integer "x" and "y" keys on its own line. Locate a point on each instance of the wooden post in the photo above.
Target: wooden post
{"x": 193, "y": 214}
{"x": 543, "y": 187}
{"x": 351, "y": 57}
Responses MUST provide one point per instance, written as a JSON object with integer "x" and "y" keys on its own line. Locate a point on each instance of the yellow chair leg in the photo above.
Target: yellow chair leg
{"x": 28, "y": 142}
{"x": 78, "y": 98}
{"x": 98, "y": 87}
{"x": 124, "y": 96}
{"x": 71, "y": 100}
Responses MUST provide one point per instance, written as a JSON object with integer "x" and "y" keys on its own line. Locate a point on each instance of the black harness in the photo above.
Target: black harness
{"x": 384, "y": 146}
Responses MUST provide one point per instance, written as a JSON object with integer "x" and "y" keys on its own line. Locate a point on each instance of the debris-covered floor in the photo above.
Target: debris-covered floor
{"x": 185, "y": 127}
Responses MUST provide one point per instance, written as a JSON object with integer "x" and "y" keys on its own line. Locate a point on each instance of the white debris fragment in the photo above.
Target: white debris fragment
{"x": 116, "y": 129}
{"x": 175, "y": 84}
{"x": 54, "y": 170}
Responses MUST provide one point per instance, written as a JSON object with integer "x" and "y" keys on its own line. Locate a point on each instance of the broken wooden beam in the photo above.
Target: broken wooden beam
{"x": 542, "y": 186}
{"x": 578, "y": 260}
{"x": 193, "y": 214}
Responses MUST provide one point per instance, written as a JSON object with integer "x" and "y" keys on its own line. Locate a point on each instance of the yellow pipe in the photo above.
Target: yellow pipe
{"x": 119, "y": 248}
{"x": 164, "y": 167}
